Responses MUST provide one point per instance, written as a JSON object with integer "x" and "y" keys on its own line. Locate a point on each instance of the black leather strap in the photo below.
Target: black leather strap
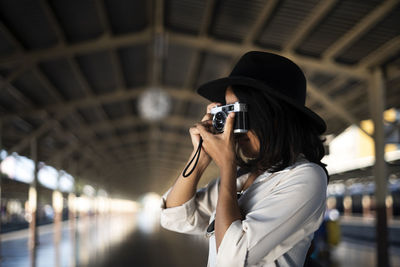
{"x": 196, "y": 156}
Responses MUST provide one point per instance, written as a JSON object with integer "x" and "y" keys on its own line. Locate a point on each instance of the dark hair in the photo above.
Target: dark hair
{"x": 284, "y": 132}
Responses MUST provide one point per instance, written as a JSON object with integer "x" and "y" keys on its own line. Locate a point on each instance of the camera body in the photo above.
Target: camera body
{"x": 220, "y": 113}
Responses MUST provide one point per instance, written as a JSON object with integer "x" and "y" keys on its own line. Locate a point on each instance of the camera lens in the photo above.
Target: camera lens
{"x": 219, "y": 121}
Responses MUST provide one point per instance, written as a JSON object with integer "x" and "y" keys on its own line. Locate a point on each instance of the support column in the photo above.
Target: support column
{"x": 377, "y": 103}
{"x": 58, "y": 204}
{"x": 75, "y": 229}
{"x": 1, "y": 177}
{"x": 33, "y": 202}
{"x": 72, "y": 226}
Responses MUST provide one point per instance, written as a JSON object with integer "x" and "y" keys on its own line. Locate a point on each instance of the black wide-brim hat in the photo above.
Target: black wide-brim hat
{"x": 277, "y": 75}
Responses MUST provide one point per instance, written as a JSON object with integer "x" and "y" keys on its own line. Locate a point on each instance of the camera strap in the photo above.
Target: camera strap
{"x": 195, "y": 156}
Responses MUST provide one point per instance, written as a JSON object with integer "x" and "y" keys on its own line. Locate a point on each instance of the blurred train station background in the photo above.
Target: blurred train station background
{"x": 96, "y": 98}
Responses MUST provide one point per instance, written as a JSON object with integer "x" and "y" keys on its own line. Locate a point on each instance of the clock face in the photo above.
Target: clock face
{"x": 154, "y": 104}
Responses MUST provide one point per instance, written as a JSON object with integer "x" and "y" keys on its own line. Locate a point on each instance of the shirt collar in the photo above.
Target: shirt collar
{"x": 241, "y": 180}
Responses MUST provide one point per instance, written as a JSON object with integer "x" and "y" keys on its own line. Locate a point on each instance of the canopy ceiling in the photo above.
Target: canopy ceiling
{"x": 72, "y": 71}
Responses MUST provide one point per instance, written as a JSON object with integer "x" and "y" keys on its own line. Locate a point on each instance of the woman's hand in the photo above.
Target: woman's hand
{"x": 195, "y": 134}
{"x": 220, "y": 147}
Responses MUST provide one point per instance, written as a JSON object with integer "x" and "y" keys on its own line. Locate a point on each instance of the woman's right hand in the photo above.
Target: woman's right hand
{"x": 194, "y": 133}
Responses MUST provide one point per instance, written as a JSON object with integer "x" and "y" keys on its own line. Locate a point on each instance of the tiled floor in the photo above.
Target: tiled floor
{"x": 356, "y": 253}
{"x": 132, "y": 241}
{"x": 108, "y": 241}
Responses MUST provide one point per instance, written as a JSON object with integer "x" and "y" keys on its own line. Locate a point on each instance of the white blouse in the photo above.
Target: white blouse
{"x": 282, "y": 210}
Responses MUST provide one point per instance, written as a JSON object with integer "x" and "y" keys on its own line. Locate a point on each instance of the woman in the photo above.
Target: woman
{"x": 282, "y": 195}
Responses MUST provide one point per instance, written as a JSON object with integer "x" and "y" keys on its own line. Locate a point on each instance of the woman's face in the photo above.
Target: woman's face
{"x": 248, "y": 142}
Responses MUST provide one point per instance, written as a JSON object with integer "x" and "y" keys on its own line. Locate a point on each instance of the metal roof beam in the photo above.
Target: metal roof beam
{"x": 102, "y": 43}
{"x": 54, "y": 24}
{"x": 10, "y": 37}
{"x": 193, "y": 71}
{"x": 20, "y": 69}
{"x": 173, "y": 138}
{"x": 117, "y": 95}
{"x": 80, "y": 77}
{"x": 227, "y": 48}
{"x": 159, "y": 16}
{"x": 89, "y": 140}
{"x": 137, "y": 142}
{"x": 156, "y": 50}
{"x": 19, "y": 96}
{"x": 86, "y": 153}
{"x": 129, "y": 120}
{"x": 326, "y": 88}
{"x": 139, "y": 161}
{"x": 207, "y": 17}
{"x": 249, "y": 39}
{"x": 88, "y": 130}
{"x": 141, "y": 164}
{"x": 317, "y": 14}
{"x": 137, "y": 139}
{"x": 117, "y": 67}
{"x": 332, "y": 106}
{"x": 265, "y": 13}
{"x": 45, "y": 127}
{"x": 102, "y": 12}
{"x": 141, "y": 168}
{"x": 362, "y": 26}
{"x": 104, "y": 20}
{"x": 196, "y": 60}
{"x": 176, "y": 121}
{"x": 108, "y": 143}
{"x": 135, "y": 159}
{"x": 25, "y": 142}
{"x": 84, "y": 150}
{"x": 157, "y": 57}
{"x": 105, "y": 145}
{"x": 48, "y": 124}
{"x": 89, "y": 136}
{"x": 125, "y": 169}
{"x": 355, "y": 93}
{"x": 64, "y": 152}
{"x": 168, "y": 152}
{"x": 207, "y": 44}
{"x": 16, "y": 94}
{"x": 330, "y": 87}
{"x": 381, "y": 54}
{"x": 48, "y": 85}
{"x": 20, "y": 49}
{"x": 89, "y": 92}
{"x": 15, "y": 74}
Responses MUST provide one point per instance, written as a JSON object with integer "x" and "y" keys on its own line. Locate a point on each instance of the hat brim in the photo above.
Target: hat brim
{"x": 215, "y": 92}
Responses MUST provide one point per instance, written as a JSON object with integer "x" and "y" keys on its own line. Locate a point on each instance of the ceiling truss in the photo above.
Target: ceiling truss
{"x": 95, "y": 153}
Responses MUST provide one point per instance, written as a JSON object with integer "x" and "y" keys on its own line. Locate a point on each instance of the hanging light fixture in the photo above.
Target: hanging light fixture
{"x": 154, "y": 103}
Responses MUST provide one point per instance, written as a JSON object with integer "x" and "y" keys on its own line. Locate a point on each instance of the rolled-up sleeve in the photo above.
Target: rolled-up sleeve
{"x": 193, "y": 216}
{"x": 292, "y": 211}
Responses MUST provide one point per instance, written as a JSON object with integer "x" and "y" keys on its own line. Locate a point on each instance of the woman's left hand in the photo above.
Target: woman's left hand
{"x": 220, "y": 147}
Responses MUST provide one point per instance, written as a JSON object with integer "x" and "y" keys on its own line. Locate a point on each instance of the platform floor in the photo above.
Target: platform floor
{"x": 130, "y": 241}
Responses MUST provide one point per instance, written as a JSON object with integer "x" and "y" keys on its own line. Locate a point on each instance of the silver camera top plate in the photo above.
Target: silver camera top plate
{"x": 235, "y": 107}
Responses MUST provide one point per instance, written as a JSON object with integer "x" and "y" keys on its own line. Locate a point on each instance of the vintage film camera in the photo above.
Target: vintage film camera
{"x": 220, "y": 113}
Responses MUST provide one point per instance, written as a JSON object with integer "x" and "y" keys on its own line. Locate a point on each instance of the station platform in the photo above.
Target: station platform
{"x": 128, "y": 240}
